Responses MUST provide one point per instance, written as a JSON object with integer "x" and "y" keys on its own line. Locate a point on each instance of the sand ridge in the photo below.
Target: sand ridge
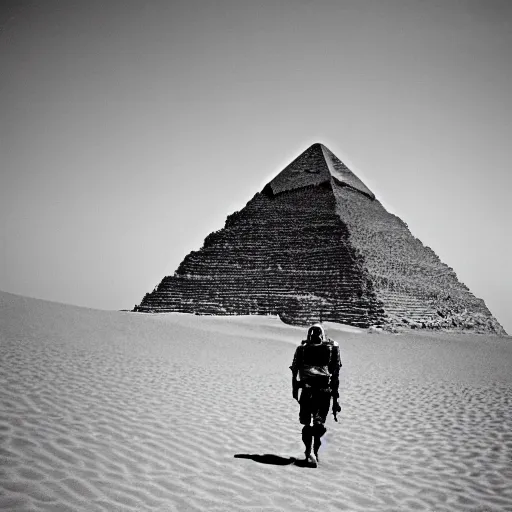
{"x": 119, "y": 411}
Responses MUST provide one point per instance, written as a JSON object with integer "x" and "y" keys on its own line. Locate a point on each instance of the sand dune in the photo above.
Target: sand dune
{"x": 119, "y": 411}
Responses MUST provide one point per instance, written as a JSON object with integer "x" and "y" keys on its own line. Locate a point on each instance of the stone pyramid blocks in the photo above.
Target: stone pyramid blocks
{"x": 315, "y": 245}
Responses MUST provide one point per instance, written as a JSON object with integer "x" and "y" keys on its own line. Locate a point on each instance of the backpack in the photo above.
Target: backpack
{"x": 317, "y": 363}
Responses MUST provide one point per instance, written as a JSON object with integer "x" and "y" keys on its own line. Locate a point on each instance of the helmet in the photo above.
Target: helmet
{"x": 316, "y": 332}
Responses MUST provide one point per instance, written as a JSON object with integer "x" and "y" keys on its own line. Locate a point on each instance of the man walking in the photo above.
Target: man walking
{"x": 315, "y": 371}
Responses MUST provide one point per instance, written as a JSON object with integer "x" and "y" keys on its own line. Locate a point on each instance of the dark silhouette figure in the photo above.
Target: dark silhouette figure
{"x": 315, "y": 372}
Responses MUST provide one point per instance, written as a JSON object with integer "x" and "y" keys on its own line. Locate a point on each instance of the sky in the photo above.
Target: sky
{"x": 130, "y": 129}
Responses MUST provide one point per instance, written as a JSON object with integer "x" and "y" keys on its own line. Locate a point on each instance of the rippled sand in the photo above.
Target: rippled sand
{"x": 118, "y": 411}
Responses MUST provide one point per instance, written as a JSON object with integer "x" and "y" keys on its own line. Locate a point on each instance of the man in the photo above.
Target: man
{"x": 315, "y": 370}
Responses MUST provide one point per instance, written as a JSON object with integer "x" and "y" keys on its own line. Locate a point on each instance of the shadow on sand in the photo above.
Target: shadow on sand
{"x": 275, "y": 460}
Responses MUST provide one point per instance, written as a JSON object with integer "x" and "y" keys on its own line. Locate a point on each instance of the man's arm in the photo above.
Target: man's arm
{"x": 297, "y": 358}
{"x": 295, "y": 386}
{"x": 335, "y": 366}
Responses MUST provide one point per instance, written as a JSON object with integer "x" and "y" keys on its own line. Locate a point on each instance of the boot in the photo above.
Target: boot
{"x": 311, "y": 460}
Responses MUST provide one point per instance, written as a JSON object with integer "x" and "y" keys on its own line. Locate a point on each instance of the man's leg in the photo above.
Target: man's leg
{"x": 320, "y": 412}
{"x": 307, "y": 439}
{"x": 318, "y": 430}
{"x": 307, "y": 431}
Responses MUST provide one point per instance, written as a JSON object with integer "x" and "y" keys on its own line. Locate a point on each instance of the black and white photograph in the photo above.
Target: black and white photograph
{"x": 255, "y": 255}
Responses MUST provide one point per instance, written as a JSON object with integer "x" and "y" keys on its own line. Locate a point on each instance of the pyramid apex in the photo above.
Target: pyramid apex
{"x": 314, "y": 166}
{"x": 316, "y": 145}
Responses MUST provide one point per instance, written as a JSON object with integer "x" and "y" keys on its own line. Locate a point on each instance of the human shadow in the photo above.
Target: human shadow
{"x": 267, "y": 458}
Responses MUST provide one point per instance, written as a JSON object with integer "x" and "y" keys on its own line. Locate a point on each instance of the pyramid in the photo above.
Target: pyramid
{"x": 316, "y": 245}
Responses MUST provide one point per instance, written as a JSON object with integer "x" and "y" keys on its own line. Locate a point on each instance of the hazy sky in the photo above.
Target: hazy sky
{"x": 130, "y": 129}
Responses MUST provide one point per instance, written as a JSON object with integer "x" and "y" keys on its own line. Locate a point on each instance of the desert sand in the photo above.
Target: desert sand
{"x": 106, "y": 411}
